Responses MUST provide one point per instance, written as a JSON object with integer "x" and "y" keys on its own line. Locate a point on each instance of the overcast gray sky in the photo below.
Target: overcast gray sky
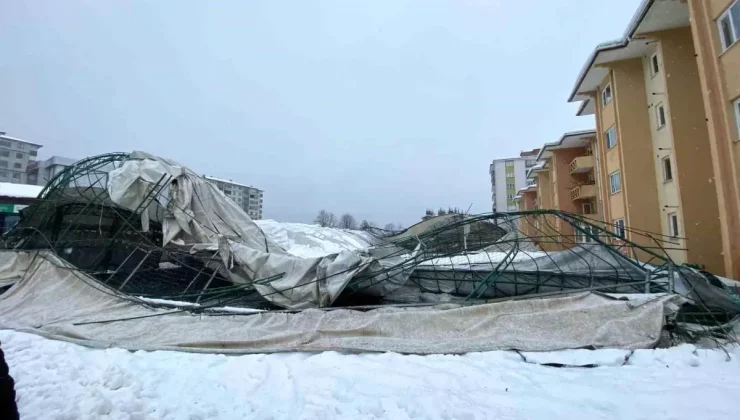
{"x": 378, "y": 108}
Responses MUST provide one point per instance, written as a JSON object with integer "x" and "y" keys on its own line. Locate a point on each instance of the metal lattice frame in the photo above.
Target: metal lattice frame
{"x": 465, "y": 259}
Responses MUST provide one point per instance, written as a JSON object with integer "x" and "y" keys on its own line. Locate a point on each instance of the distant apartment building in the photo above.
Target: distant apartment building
{"x": 245, "y": 196}
{"x": 564, "y": 178}
{"x": 508, "y": 176}
{"x": 41, "y": 172}
{"x": 15, "y": 155}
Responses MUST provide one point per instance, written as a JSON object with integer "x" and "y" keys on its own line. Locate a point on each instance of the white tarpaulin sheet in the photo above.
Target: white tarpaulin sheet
{"x": 57, "y": 301}
{"x": 200, "y": 218}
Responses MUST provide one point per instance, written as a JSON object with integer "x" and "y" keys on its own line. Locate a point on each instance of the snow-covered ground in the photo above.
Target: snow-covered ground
{"x": 59, "y": 380}
{"x": 310, "y": 241}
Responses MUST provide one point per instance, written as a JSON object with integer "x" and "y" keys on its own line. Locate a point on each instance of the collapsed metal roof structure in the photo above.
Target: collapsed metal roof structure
{"x": 150, "y": 231}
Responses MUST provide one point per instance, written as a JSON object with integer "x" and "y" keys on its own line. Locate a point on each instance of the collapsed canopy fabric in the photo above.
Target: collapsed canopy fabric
{"x": 201, "y": 218}
{"x": 51, "y": 298}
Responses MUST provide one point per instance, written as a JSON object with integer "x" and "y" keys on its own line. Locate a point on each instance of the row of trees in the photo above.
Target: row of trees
{"x": 347, "y": 221}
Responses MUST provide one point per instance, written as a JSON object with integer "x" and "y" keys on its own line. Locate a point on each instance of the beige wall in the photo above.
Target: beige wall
{"x": 662, "y": 142}
{"x": 718, "y": 75}
{"x": 605, "y": 116}
{"x": 635, "y": 150}
{"x": 691, "y": 156}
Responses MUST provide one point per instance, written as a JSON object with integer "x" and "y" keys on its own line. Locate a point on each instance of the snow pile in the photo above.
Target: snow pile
{"x": 58, "y": 380}
{"x": 8, "y": 189}
{"x": 311, "y": 241}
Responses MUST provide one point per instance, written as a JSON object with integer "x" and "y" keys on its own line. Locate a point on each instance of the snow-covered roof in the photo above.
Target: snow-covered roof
{"x": 8, "y": 189}
{"x": 528, "y": 188}
{"x": 228, "y": 181}
{"x": 6, "y": 137}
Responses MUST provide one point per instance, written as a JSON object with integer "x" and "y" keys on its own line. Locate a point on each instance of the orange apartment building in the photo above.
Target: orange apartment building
{"x": 564, "y": 179}
{"x": 665, "y": 155}
{"x": 656, "y": 172}
{"x": 715, "y": 28}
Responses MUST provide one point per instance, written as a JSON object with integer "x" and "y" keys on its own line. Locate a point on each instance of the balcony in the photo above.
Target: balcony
{"x": 583, "y": 192}
{"x": 582, "y": 164}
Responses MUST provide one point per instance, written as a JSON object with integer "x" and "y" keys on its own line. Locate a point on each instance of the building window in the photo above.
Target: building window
{"x": 654, "y": 67}
{"x": 21, "y": 146}
{"x": 673, "y": 224}
{"x": 4, "y": 153}
{"x": 615, "y": 182}
{"x": 611, "y": 137}
{"x": 667, "y": 171}
{"x": 33, "y": 153}
{"x": 17, "y": 165}
{"x": 510, "y": 174}
{"x": 509, "y": 163}
{"x": 588, "y": 235}
{"x": 3, "y": 163}
{"x": 619, "y": 227}
{"x": 588, "y": 208}
{"x": 19, "y": 155}
{"x": 3, "y": 174}
{"x": 606, "y": 95}
{"x": 660, "y": 116}
{"x": 509, "y": 185}
{"x": 729, "y": 25}
{"x": 737, "y": 116}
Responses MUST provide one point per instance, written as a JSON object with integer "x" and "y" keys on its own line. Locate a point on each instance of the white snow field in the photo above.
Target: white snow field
{"x": 60, "y": 380}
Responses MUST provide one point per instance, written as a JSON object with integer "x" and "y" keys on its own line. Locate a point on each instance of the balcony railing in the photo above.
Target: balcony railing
{"x": 583, "y": 192}
{"x": 582, "y": 164}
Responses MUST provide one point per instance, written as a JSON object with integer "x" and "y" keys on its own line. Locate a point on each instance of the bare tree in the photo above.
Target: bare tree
{"x": 325, "y": 219}
{"x": 390, "y": 227}
{"x": 347, "y": 221}
{"x": 365, "y": 225}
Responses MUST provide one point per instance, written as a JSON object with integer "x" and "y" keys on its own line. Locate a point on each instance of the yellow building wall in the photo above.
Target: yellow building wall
{"x": 635, "y": 151}
{"x": 662, "y": 142}
{"x": 690, "y": 150}
{"x": 718, "y": 75}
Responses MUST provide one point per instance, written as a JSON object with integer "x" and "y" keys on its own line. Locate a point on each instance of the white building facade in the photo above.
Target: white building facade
{"x": 41, "y": 172}
{"x": 15, "y": 156}
{"x": 507, "y": 177}
{"x": 247, "y": 197}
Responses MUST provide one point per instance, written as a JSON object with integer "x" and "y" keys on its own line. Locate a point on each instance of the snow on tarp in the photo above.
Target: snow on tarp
{"x": 308, "y": 241}
{"x": 8, "y": 189}
{"x": 55, "y": 300}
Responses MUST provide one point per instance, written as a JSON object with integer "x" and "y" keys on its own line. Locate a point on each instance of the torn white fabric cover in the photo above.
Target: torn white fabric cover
{"x": 306, "y": 282}
{"x": 58, "y": 302}
{"x": 200, "y": 217}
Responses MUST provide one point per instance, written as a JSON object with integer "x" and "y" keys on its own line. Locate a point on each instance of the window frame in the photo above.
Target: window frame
{"x": 660, "y": 119}
{"x": 736, "y": 105}
{"x": 604, "y": 100}
{"x": 667, "y": 174}
{"x": 613, "y": 129}
{"x": 619, "y": 228}
{"x": 728, "y": 14}
{"x": 611, "y": 182}
{"x": 673, "y": 225}
{"x": 654, "y": 65}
